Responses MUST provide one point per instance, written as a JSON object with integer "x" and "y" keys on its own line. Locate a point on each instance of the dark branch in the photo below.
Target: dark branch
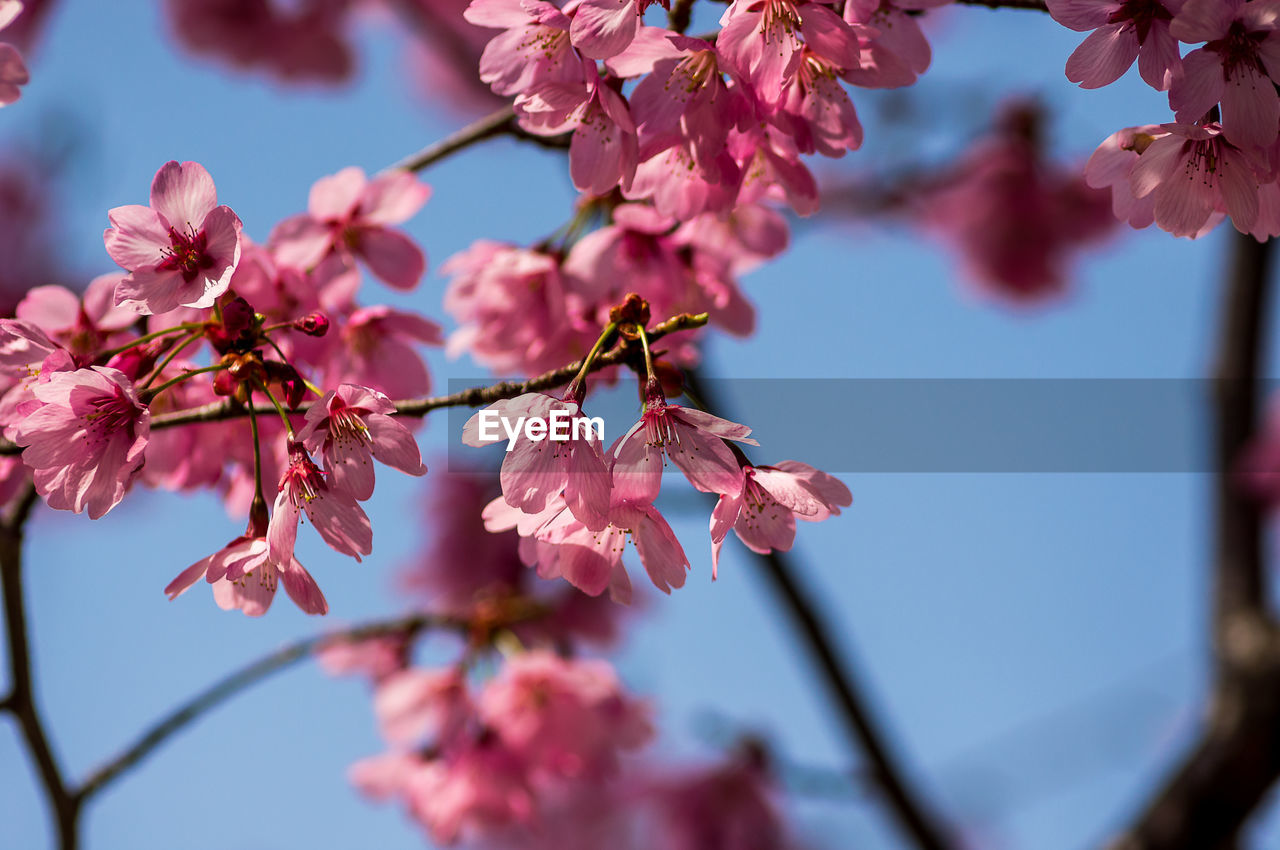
{"x": 907, "y": 805}
{"x": 223, "y": 690}
{"x": 473, "y": 397}
{"x": 1212, "y": 793}
{"x": 21, "y": 699}
{"x": 500, "y": 122}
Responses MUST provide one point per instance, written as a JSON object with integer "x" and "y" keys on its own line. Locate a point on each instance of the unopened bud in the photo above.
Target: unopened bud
{"x": 312, "y": 324}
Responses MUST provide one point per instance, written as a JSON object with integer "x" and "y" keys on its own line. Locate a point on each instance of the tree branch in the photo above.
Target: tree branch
{"x": 1212, "y": 793}
{"x": 907, "y": 805}
{"x": 472, "y": 397}
{"x": 21, "y": 699}
{"x": 500, "y": 122}
{"x": 225, "y": 689}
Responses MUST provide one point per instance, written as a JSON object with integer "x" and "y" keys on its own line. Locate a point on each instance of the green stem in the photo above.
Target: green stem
{"x": 152, "y": 393}
{"x": 112, "y": 352}
{"x": 284, "y": 415}
{"x": 168, "y": 358}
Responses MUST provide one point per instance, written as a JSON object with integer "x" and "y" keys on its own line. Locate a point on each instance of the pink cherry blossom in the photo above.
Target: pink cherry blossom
{"x": 771, "y": 168}
{"x": 1193, "y": 172}
{"x": 84, "y": 438}
{"x": 682, "y": 185}
{"x": 760, "y": 40}
{"x": 729, "y": 807}
{"x": 471, "y": 791}
{"x": 349, "y": 427}
{"x": 604, "y": 28}
{"x": 1122, "y": 30}
{"x": 772, "y": 498}
{"x": 1238, "y": 67}
{"x": 893, "y": 50}
{"x": 349, "y": 214}
{"x": 535, "y": 471}
{"x": 816, "y": 112}
{"x": 534, "y": 49}
{"x": 296, "y": 41}
{"x": 375, "y": 657}
{"x": 334, "y": 512}
{"x": 417, "y": 706}
{"x": 515, "y": 309}
{"x": 244, "y": 576}
{"x": 82, "y": 326}
{"x": 180, "y": 251}
{"x": 694, "y": 440}
{"x": 376, "y": 348}
{"x": 566, "y": 718}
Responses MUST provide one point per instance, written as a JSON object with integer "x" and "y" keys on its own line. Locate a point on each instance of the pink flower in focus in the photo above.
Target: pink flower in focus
{"x": 602, "y": 29}
{"x": 893, "y": 48}
{"x": 85, "y": 437}
{"x": 566, "y": 718}
{"x": 349, "y": 214}
{"x": 334, "y": 512}
{"x": 772, "y": 498}
{"x": 244, "y": 576}
{"x": 694, "y": 440}
{"x": 179, "y": 252}
{"x": 533, "y": 472}
{"x": 816, "y": 110}
{"x": 1238, "y": 68}
{"x": 534, "y": 49}
{"x": 1193, "y": 172}
{"x": 760, "y": 40}
{"x": 1122, "y": 30}
{"x": 349, "y": 427}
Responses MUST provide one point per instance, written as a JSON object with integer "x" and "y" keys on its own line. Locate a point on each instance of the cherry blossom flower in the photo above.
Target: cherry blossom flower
{"x": 1194, "y": 171}
{"x": 515, "y": 309}
{"x": 893, "y": 50}
{"x": 760, "y": 40}
{"x": 84, "y": 438}
{"x": 1238, "y": 67}
{"x": 764, "y": 512}
{"x": 816, "y": 110}
{"x": 604, "y": 28}
{"x": 1122, "y": 30}
{"x": 334, "y": 512}
{"x": 13, "y": 71}
{"x": 470, "y": 791}
{"x": 350, "y": 214}
{"x": 417, "y": 706}
{"x": 180, "y": 251}
{"x": 374, "y": 657}
{"x": 534, "y": 472}
{"x": 566, "y": 718}
{"x": 244, "y": 576}
{"x": 694, "y": 441}
{"x": 81, "y": 325}
{"x": 728, "y": 807}
{"x": 351, "y": 425}
{"x": 535, "y": 47}
{"x": 296, "y": 41}
{"x": 375, "y": 348}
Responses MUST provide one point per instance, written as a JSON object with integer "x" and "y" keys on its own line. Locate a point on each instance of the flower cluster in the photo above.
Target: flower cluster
{"x": 1217, "y": 157}
{"x": 201, "y": 313}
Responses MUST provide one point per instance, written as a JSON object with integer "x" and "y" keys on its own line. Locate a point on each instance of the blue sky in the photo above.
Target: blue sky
{"x": 1036, "y": 641}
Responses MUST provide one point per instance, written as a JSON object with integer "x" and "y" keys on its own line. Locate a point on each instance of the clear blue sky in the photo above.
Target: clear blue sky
{"x": 1035, "y": 639}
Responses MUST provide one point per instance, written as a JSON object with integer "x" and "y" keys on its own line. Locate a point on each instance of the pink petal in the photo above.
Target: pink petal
{"x": 136, "y": 237}
{"x": 300, "y": 242}
{"x": 282, "y": 531}
{"x": 1081, "y": 15}
{"x": 650, "y": 46}
{"x": 303, "y": 590}
{"x": 1200, "y": 86}
{"x": 602, "y": 29}
{"x": 660, "y": 552}
{"x": 187, "y": 577}
{"x": 1103, "y": 57}
{"x": 1250, "y": 109}
{"x": 341, "y": 522}
{"x": 393, "y": 198}
{"x": 53, "y": 308}
{"x": 334, "y": 198}
{"x": 587, "y": 488}
{"x": 637, "y": 467}
{"x": 392, "y": 256}
{"x": 1204, "y": 20}
{"x": 183, "y": 193}
{"x": 393, "y": 444}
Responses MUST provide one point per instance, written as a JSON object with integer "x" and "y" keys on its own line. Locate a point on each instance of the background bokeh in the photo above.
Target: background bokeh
{"x": 1035, "y": 642}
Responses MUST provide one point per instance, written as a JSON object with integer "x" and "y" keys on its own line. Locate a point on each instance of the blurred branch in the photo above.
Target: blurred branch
{"x": 21, "y": 699}
{"x": 908, "y": 806}
{"x": 225, "y": 689}
{"x": 1207, "y": 800}
{"x": 1034, "y": 5}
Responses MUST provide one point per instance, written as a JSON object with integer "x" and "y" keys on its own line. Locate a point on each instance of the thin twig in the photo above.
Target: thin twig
{"x": 500, "y": 122}
{"x": 225, "y": 689}
{"x": 1211, "y": 794}
{"x": 907, "y": 805}
{"x": 21, "y": 699}
{"x": 472, "y": 397}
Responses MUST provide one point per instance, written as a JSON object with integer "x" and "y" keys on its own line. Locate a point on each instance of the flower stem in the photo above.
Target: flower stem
{"x": 168, "y": 358}
{"x": 112, "y": 352}
{"x": 152, "y": 393}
